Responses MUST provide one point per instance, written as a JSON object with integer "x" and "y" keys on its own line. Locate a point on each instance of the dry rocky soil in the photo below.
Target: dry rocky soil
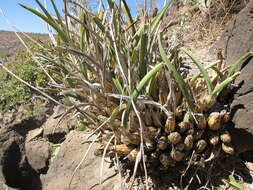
{"x": 28, "y": 146}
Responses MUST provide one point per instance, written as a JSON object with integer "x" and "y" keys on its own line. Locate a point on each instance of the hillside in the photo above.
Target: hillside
{"x": 9, "y": 42}
{"x": 12, "y": 92}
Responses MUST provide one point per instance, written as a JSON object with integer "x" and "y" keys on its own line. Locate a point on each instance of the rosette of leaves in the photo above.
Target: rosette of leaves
{"x": 128, "y": 88}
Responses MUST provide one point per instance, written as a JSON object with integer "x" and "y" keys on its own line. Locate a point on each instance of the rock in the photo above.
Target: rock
{"x": 5, "y": 187}
{"x": 33, "y": 134}
{"x": 15, "y": 171}
{"x": 87, "y": 175}
{"x": 22, "y": 114}
{"x": 57, "y": 126}
{"x": 236, "y": 41}
{"x": 10, "y": 157}
{"x": 38, "y": 152}
{"x": 7, "y": 117}
{"x": 248, "y": 186}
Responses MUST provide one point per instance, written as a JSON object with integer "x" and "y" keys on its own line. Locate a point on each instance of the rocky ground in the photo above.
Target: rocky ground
{"x": 43, "y": 152}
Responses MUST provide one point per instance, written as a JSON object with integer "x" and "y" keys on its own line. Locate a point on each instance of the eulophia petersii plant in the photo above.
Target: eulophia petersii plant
{"x": 130, "y": 91}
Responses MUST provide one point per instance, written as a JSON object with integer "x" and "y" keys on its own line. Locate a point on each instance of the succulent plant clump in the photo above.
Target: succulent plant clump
{"x": 125, "y": 86}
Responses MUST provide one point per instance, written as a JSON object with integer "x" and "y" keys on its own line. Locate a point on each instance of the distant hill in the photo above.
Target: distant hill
{"x": 9, "y": 42}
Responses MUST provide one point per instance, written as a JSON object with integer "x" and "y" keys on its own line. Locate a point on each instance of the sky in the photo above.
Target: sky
{"x": 26, "y": 21}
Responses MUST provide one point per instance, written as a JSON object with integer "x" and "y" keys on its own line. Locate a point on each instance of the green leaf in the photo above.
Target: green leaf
{"x": 139, "y": 88}
{"x": 52, "y": 90}
{"x": 218, "y": 188}
{"x": 156, "y": 20}
{"x": 118, "y": 86}
{"x": 238, "y": 62}
{"x": 143, "y": 55}
{"x": 111, "y": 4}
{"x": 82, "y": 31}
{"x": 50, "y": 21}
{"x": 45, "y": 10}
{"x": 98, "y": 22}
{"x": 146, "y": 79}
{"x": 224, "y": 83}
{"x": 235, "y": 183}
{"x": 208, "y": 3}
{"x": 193, "y": 79}
{"x": 128, "y": 15}
{"x": 56, "y": 150}
{"x": 219, "y": 73}
{"x": 151, "y": 84}
{"x": 180, "y": 81}
{"x": 81, "y": 126}
{"x": 202, "y": 70}
{"x": 57, "y": 13}
{"x": 113, "y": 116}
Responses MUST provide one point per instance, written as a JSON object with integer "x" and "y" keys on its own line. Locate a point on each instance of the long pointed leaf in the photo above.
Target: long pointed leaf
{"x": 238, "y": 62}
{"x": 193, "y": 79}
{"x": 156, "y": 20}
{"x": 222, "y": 85}
{"x": 202, "y": 70}
{"x": 57, "y": 13}
{"x": 139, "y": 88}
{"x": 111, "y": 4}
{"x": 45, "y": 10}
{"x": 82, "y": 31}
{"x": 235, "y": 183}
{"x": 99, "y": 23}
{"x": 118, "y": 86}
{"x": 51, "y": 22}
{"x": 142, "y": 55}
{"x": 180, "y": 81}
{"x": 129, "y": 16}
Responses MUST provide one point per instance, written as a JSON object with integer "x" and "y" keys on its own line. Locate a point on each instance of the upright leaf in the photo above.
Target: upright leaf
{"x": 187, "y": 95}
{"x": 143, "y": 55}
{"x": 50, "y": 21}
{"x": 139, "y": 88}
{"x": 156, "y": 20}
{"x": 202, "y": 70}
{"x": 238, "y": 62}
{"x": 57, "y": 13}
{"x": 128, "y": 15}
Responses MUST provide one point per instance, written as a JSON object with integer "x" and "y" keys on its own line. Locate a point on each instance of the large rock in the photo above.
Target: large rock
{"x": 57, "y": 125}
{"x": 38, "y": 153}
{"x": 10, "y": 158}
{"x": 86, "y": 176}
{"x": 15, "y": 170}
{"x": 236, "y": 41}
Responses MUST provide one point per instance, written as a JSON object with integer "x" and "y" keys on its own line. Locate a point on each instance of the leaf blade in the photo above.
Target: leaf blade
{"x": 177, "y": 76}
{"x": 202, "y": 70}
{"x": 49, "y": 21}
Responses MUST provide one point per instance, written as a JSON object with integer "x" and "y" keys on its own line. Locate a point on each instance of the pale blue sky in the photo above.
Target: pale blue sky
{"x": 26, "y": 21}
